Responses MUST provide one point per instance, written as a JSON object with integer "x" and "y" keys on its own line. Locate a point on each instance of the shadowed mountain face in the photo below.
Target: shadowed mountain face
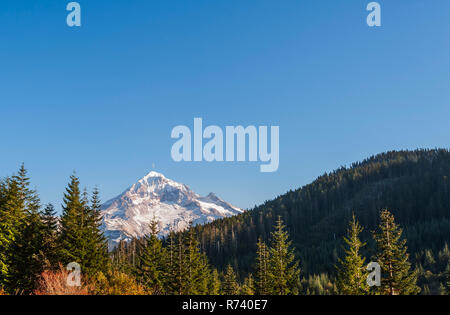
{"x": 414, "y": 185}
{"x": 173, "y": 205}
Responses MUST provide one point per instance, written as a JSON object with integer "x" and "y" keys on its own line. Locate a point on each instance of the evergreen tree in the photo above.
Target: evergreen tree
{"x": 262, "y": 285}
{"x": 73, "y": 221}
{"x": 284, "y": 271}
{"x": 230, "y": 285}
{"x": 152, "y": 261}
{"x": 352, "y": 274}
{"x": 396, "y": 277}
{"x": 7, "y": 231}
{"x": 25, "y": 257}
{"x": 214, "y": 283}
{"x": 50, "y": 237}
{"x": 27, "y": 262}
{"x": 177, "y": 269}
{"x": 196, "y": 266}
{"x": 81, "y": 239}
{"x": 248, "y": 287}
{"x": 97, "y": 247}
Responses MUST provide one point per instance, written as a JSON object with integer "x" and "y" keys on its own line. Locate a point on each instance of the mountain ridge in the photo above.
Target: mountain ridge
{"x": 174, "y": 205}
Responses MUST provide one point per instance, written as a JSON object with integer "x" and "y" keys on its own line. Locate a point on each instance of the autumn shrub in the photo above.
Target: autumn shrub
{"x": 117, "y": 283}
{"x": 56, "y": 283}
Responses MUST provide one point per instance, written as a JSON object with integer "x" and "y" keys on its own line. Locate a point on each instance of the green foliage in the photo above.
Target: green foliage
{"x": 230, "y": 285}
{"x": 25, "y": 252}
{"x": 262, "y": 284}
{"x": 81, "y": 239}
{"x": 50, "y": 237}
{"x": 248, "y": 287}
{"x": 283, "y": 269}
{"x": 414, "y": 183}
{"x": 396, "y": 277}
{"x": 352, "y": 274}
{"x": 215, "y": 284}
{"x": 153, "y": 258}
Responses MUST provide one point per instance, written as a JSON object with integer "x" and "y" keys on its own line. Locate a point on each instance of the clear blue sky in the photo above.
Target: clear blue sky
{"x": 102, "y": 99}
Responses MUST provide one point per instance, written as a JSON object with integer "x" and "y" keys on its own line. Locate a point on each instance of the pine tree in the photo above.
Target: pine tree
{"x": 25, "y": 252}
{"x": 27, "y": 260}
{"x": 284, "y": 271}
{"x": 50, "y": 237}
{"x": 197, "y": 269}
{"x": 151, "y": 270}
{"x": 7, "y": 231}
{"x": 230, "y": 285}
{"x": 396, "y": 277}
{"x": 71, "y": 243}
{"x": 97, "y": 248}
{"x": 262, "y": 285}
{"x": 214, "y": 283}
{"x": 248, "y": 287}
{"x": 352, "y": 274}
{"x": 177, "y": 269}
{"x": 81, "y": 240}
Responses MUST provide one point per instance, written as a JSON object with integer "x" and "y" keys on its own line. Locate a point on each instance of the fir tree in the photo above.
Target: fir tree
{"x": 152, "y": 261}
{"x": 284, "y": 271}
{"x": 248, "y": 287}
{"x": 230, "y": 285}
{"x": 50, "y": 237}
{"x": 73, "y": 222}
{"x": 177, "y": 269}
{"x": 97, "y": 248}
{"x": 81, "y": 239}
{"x": 25, "y": 257}
{"x": 7, "y": 231}
{"x": 396, "y": 277}
{"x": 262, "y": 285}
{"x": 352, "y": 274}
{"x": 197, "y": 269}
{"x": 214, "y": 283}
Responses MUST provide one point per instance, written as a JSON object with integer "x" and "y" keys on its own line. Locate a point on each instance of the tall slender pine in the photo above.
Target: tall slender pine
{"x": 284, "y": 270}
{"x": 396, "y": 277}
{"x": 352, "y": 273}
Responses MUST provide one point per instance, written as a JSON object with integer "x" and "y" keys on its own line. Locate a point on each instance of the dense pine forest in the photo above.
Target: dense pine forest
{"x": 393, "y": 209}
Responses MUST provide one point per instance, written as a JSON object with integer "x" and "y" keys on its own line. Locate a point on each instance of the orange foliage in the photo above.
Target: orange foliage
{"x": 55, "y": 283}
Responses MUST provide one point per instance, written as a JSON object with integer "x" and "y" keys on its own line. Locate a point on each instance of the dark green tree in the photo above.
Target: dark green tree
{"x": 50, "y": 237}
{"x": 396, "y": 277}
{"x": 97, "y": 247}
{"x": 81, "y": 240}
{"x": 25, "y": 257}
{"x": 284, "y": 271}
{"x": 176, "y": 268}
{"x": 198, "y": 270}
{"x": 151, "y": 270}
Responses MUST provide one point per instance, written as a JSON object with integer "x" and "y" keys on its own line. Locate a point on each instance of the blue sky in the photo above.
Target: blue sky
{"x": 102, "y": 99}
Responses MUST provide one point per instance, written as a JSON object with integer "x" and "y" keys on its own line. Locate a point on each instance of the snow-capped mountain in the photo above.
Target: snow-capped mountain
{"x": 173, "y": 205}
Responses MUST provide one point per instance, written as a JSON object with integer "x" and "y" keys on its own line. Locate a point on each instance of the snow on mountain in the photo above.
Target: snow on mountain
{"x": 173, "y": 204}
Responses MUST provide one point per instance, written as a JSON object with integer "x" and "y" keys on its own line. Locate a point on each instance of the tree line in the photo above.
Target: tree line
{"x": 33, "y": 240}
{"x": 36, "y": 245}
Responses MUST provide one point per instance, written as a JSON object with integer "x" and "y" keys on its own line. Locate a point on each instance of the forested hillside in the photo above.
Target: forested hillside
{"x": 392, "y": 209}
{"x": 414, "y": 185}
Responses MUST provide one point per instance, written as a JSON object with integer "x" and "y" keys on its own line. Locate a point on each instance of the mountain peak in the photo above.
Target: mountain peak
{"x": 173, "y": 204}
{"x": 154, "y": 174}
